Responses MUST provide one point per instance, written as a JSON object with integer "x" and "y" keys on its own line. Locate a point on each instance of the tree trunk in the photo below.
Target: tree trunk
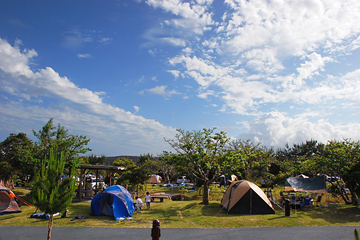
{"x": 167, "y": 179}
{"x": 341, "y": 190}
{"x": 206, "y": 193}
{"x": 50, "y": 226}
{"x": 354, "y": 198}
{"x": 345, "y": 196}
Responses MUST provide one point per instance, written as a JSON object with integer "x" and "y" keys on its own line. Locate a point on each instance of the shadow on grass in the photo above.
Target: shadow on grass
{"x": 335, "y": 214}
{"x": 213, "y": 209}
{"x": 79, "y": 208}
{"x": 294, "y": 216}
{"x": 191, "y": 205}
{"x": 8, "y": 216}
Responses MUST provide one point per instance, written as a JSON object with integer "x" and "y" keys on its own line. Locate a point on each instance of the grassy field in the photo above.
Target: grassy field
{"x": 191, "y": 214}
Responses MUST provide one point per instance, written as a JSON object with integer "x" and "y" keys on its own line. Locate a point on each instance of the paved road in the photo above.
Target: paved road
{"x": 68, "y": 233}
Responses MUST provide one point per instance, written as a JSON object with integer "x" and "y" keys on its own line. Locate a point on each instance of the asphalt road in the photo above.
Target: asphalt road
{"x": 68, "y": 233}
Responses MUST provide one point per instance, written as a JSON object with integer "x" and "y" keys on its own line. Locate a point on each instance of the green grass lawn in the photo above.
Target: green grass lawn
{"x": 191, "y": 214}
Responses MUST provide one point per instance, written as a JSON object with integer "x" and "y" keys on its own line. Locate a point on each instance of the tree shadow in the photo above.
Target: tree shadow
{"x": 335, "y": 214}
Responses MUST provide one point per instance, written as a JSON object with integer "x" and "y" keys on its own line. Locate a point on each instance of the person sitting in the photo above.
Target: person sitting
{"x": 138, "y": 204}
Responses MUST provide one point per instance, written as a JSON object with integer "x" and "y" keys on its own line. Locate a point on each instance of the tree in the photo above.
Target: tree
{"x": 292, "y": 158}
{"x": 133, "y": 174}
{"x": 352, "y": 180}
{"x": 96, "y": 160}
{"x": 16, "y": 156}
{"x": 70, "y": 145}
{"x": 257, "y": 160}
{"x": 338, "y": 160}
{"x": 167, "y": 169}
{"x": 49, "y": 194}
{"x": 205, "y": 153}
{"x": 143, "y": 158}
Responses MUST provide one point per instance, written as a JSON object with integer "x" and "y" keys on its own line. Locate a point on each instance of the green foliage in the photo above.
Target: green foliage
{"x": 96, "y": 160}
{"x": 6, "y": 171}
{"x": 297, "y": 159}
{"x": 352, "y": 178}
{"x": 166, "y": 167}
{"x": 256, "y": 161}
{"x": 205, "y": 154}
{"x": 338, "y": 160}
{"x": 133, "y": 174}
{"x": 50, "y": 194}
{"x": 16, "y": 156}
{"x": 356, "y": 234}
{"x": 146, "y": 157}
{"x": 50, "y": 137}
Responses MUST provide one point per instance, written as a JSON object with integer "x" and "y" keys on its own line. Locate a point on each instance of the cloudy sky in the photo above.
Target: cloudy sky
{"x": 127, "y": 74}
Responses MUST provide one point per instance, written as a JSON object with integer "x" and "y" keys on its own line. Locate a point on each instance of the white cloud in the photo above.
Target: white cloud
{"x": 274, "y": 52}
{"x": 194, "y": 15}
{"x": 75, "y": 39}
{"x": 191, "y": 18}
{"x": 312, "y": 67}
{"x": 175, "y": 73}
{"x": 105, "y": 40}
{"x": 275, "y": 129}
{"x": 136, "y": 108}
{"x": 291, "y": 27}
{"x": 84, "y": 55}
{"x": 73, "y": 106}
{"x": 160, "y": 90}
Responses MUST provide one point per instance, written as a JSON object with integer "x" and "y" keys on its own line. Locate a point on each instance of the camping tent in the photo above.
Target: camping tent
{"x": 245, "y": 197}
{"x": 114, "y": 201}
{"x": 300, "y": 184}
{"x": 154, "y": 179}
{"x": 7, "y": 201}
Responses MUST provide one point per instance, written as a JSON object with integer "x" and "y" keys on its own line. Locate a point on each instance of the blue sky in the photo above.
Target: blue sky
{"x": 127, "y": 74}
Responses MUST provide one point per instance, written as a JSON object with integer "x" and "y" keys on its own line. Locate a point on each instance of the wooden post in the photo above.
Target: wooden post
{"x": 96, "y": 180}
{"x": 110, "y": 179}
{"x": 80, "y": 184}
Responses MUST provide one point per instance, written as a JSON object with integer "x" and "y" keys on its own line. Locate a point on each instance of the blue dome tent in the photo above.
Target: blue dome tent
{"x": 114, "y": 201}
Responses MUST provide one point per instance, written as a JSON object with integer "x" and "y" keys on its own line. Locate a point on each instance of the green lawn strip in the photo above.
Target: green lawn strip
{"x": 191, "y": 214}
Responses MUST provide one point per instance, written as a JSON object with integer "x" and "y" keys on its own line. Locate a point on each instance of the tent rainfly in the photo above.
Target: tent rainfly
{"x": 300, "y": 184}
{"x": 7, "y": 201}
{"x": 247, "y": 198}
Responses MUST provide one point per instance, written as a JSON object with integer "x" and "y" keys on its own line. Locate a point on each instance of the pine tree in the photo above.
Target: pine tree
{"x": 49, "y": 193}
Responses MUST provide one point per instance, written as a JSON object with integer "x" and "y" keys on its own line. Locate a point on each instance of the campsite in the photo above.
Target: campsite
{"x": 247, "y": 186}
{"x": 191, "y": 214}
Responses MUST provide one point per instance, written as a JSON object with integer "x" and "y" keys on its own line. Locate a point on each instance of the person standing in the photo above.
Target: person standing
{"x": 148, "y": 200}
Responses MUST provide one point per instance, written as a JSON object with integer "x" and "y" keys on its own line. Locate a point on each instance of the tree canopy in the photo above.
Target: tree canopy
{"x": 205, "y": 153}
{"x": 50, "y": 137}
{"x": 16, "y": 156}
{"x": 19, "y": 155}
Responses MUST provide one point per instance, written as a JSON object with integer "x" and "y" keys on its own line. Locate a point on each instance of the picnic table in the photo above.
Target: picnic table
{"x": 163, "y": 196}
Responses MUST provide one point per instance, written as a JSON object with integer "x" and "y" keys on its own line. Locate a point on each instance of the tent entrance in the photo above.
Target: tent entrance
{"x": 7, "y": 202}
{"x": 4, "y": 201}
{"x": 251, "y": 203}
{"x": 106, "y": 205}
